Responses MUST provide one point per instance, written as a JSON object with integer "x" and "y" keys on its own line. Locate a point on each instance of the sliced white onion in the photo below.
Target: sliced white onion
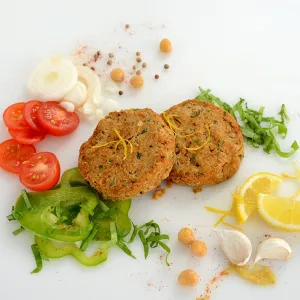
{"x": 92, "y": 82}
{"x": 77, "y": 95}
{"x": 52, "y": 79}
{"x": 68, "y": 106}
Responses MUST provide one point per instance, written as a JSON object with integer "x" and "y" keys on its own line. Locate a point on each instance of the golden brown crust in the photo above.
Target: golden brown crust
{"x": 150, "y": 162}
{"x": 220, "y": 158}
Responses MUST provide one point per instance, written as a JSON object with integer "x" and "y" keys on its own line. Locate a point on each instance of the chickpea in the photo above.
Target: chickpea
{"x": 188, "y": 277}
{"x": 186, "y": 236}
{"x": 165, "y": 46}
{"x": 117, "y": 75}
{"x": 199, "y": 248}
{"x": 137, "y": 81}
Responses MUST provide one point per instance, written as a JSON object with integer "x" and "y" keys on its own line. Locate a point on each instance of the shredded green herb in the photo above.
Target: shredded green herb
{"x": 19, "y": 230}
{"x": 26, "y": 200}
{"x": 144, "y": 242}
{"x": 38, "y": 259}
{"x": 257, "y": 128}
{"x": 85, "y": 243}
{"x": 125, "y": 249}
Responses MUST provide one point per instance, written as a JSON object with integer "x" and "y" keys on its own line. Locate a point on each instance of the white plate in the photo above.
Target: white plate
{"x": 246, "y": 49}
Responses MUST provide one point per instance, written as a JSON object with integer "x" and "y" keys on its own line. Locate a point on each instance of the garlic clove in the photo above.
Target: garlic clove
{"x": 273, "y": 248}
{"x": 236, "y": 246}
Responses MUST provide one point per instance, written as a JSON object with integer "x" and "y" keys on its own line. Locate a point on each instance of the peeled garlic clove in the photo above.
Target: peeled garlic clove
{"x": 273, "y": 248}
{"x": 236, "y": 246}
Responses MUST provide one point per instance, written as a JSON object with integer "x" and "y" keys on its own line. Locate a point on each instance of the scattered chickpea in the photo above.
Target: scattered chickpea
{"x": 166, "y": 66}
{"x": 138, "y": 53}
{"x": 156, "y": 76}
{"x": 137, "y": 81}
{"x": 93, "y": 68}
{"x": 165, "y": 46}
{"x": 127, "y": 26}
{"x": 111, "y": 55}
{"x": 121, "y": 93}
{"x": 186, "y": 236}
{"x": 138, "y": 59}
{"x": 109, "y": 62}
{"x": 134, "y": 67}
{"x": 144, "y": 65}
{"x": 199, "y": 248}
{"x": 117, "y": 75}
{"x": 99, "y": 53}
{"x": 138, "y": 72}
{"x": 188, "y": 278}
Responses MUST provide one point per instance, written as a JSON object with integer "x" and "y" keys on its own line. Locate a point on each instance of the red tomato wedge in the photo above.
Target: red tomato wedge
{"x": 40, "y": 172}
{"x": 13, "y": 154}
{"x": 56, "y": 120}
{"x": 30, "y": 111}
{"x": 13, "y": 116}
{"x": 27, "y": 136}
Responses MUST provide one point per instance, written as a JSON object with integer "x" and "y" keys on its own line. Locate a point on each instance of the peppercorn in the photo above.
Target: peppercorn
{"x": 127, "y": 26}
{"x": 144, "y": 65}
{"x": 156, "y": 76}
{"x": 121, "y": 93}
{"x": 111, "y": 55}
{"x": 166, "y": 66}
{"x": 138, "y": 59}
{"x": 93, "y": 68}
{"x": 134, "y": 67}
{"x": 138, "y": 72}
{"x": 109, "y": 62}
{"x": 138, "y": 53}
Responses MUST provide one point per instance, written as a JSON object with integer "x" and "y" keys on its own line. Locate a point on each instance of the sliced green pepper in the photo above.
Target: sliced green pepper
{"x": 62, "y": 214}
{"x": 47, "y": 248}
{"x": 118, "y": 213}
{"x": 71, "y": 178}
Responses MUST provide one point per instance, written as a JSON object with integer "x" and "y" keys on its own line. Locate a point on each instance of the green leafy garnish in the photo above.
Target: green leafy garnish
{"x": 125, "y": 249}
{"x": 88, "y": 239}
{"x": 258, "y": 129}
{"x": 19, "y": 230}
{"x": 38, "y": 259}
{"x": 26, "y": 200}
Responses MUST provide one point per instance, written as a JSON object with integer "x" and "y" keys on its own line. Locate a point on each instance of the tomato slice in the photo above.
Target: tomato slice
{"x": 30, "y": 111}
{"x": 27, "y": 136}
{"x": 56, "y": 120}
{"x": 13, "y": 116}
{"x": 40, "y": 172}
{"x": 13, "y": 154}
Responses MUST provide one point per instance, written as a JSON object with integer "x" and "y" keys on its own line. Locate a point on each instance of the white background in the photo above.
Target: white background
{"x": 246, "y": 49}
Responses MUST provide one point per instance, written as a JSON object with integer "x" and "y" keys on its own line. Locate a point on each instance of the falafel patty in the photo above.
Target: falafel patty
{"x": 209, "y": 143}
{"x": 129, "y": 153}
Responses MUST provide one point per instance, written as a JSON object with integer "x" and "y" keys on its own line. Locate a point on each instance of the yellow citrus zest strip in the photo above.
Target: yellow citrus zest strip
{"x": 123, "y": 143}
{"x": 232, "y": 226}
{"x": 103, "y": 145}
{"x": 215, "y": 210}
{"x": 121, "y": 140}
{"x": 289, "y": 176}
{"x": 171, "y": 125}
{"x": 222, "y": 218}
{"x": 207, "y": 140}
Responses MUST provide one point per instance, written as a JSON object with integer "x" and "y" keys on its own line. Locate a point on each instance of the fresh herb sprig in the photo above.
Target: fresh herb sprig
{"x": 257, "y": 128}
{"x": 150, "y": 236}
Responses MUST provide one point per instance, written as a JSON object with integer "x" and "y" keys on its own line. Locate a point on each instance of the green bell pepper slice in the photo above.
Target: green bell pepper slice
{"x": 62, "y": 214}
{"x": 71, "y": 178}
{"x": 48, "y": 249}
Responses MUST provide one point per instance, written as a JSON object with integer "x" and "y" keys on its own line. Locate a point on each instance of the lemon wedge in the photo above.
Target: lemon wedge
{"x": 281, "y": 213}
{"x": 247, "y": 197}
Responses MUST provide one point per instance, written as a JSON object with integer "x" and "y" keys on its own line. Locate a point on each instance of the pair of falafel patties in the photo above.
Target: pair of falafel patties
{"x": 130, "y": 152}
